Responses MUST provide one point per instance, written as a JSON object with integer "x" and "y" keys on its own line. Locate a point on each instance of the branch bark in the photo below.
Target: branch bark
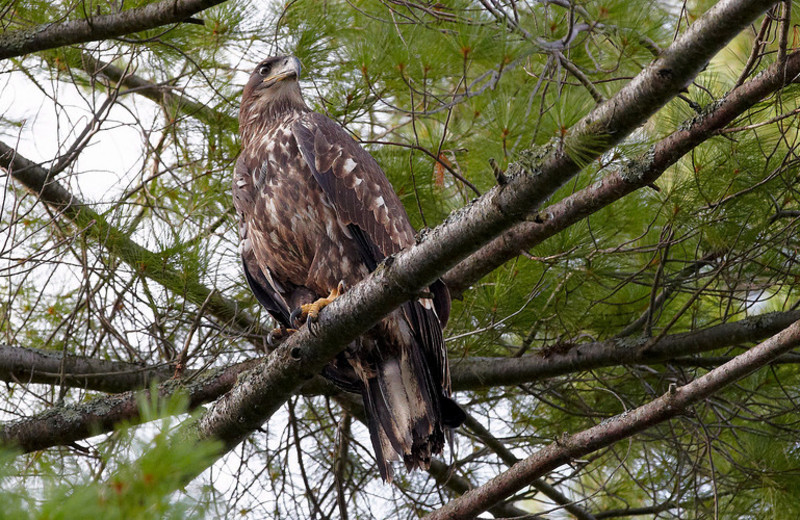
{"x": 671, "y": 404}
{"x": 67, "y": 424}
{"x": 477, "y": 372}
{"x": 92, "y": 28}
{"x": 27, "y": 365}
{"x": 494, "y": 444}
{"x": 31, "y": 365}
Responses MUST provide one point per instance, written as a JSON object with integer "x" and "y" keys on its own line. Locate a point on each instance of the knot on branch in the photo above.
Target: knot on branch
{"x": 635, "y": 170}
{"x": 529, "y": 161}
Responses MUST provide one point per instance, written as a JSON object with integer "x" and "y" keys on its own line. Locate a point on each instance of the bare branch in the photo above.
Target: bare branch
{"x": 67, "y": 424}
{"x": 52, "y": 35}
{"x": 475, "y": 372}
{"x": 538, "y": 484}
{"x": 39, "y": 181}
{"x": 30, "y": 365}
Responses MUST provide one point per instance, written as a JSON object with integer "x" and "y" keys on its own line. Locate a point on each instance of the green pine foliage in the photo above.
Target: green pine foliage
{"x": 144, "y": 468}
{"x": 436, "y": 92}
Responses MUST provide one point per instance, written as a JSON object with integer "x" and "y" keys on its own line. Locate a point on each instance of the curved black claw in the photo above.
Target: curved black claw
{"x": 294, "y": 317}
{"x": 274, "y": 337}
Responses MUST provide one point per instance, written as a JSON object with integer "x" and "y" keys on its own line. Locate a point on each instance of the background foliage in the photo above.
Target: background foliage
{"x": 435, "y": 92}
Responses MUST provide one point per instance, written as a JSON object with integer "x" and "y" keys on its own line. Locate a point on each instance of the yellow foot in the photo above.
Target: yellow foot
{"x": 310, "y": 311}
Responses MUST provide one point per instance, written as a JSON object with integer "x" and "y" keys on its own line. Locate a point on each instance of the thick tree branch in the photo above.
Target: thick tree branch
{"x": 27, "y": 365}
{"x": 476, "y": 372}
{"x": 637, "y": 174}
{"x": 31, "y": 365}
{"x": 52, "y": 35}
{"x": 568, "y": 448}
{"x": 538, "y": 484}
{"x": 67, "y": 424}
{"x": 444, "y": 476}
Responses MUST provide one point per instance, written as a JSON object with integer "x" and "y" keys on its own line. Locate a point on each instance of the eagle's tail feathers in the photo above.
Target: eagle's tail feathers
{"x": 375, "y": 407}
{"x": 403, "y": 407}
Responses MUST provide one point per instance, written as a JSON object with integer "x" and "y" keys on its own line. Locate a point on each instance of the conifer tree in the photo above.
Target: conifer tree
{"x": 609, "y": 189}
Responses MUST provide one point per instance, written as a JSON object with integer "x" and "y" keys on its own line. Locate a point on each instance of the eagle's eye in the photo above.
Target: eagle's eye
{"x": 264, "y": 70}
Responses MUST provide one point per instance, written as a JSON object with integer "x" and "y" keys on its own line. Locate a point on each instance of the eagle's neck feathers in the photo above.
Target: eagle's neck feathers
{"x": 260, "y": 110}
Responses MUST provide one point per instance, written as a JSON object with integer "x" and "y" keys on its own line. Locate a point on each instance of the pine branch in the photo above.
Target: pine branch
{"x": 93, "y": 28}
{"x": 40, "y": 182}
{"x": 476, "y": 372}
{"x": 636, "y": 175}
{"x": 570, "y": 447}
{"x": 160, "y": 94}
{"x": 443, "y": 475}
{"x": 494, "y": 444}
{"x": 32, "y": 365}
{"x": 557, "y": 217}
{"x": 67, "y": 424}
{"x": 28, "y": 365}
{"x": 401, "y": 278}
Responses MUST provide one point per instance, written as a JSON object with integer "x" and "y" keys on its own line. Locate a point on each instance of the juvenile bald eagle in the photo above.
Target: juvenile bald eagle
{"x": 317, "y": 213}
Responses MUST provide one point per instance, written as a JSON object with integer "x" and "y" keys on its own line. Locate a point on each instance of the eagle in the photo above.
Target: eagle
{"x": 316, "y": 215}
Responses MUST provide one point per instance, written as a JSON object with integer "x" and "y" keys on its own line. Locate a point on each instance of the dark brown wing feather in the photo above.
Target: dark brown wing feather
{"x": 264, "y": 290}
{"x": 354, "y": 183}
{"x": 366, "y": 203}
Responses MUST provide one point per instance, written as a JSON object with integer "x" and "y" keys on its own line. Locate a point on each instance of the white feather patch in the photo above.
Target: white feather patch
{"x": 349, "y": 165}
{"x": 398, "y": 399}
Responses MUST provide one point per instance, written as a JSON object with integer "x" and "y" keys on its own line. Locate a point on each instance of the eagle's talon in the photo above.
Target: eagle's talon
{"x": 310, "y": 311}
{"x": 295, "y": 318}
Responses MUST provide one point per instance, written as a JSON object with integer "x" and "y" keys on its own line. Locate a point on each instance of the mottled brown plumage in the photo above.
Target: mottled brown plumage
{"x": 315, "y": 209}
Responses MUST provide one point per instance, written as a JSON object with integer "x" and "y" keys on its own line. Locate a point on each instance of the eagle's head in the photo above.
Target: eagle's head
{"x": 272, "y": 89}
